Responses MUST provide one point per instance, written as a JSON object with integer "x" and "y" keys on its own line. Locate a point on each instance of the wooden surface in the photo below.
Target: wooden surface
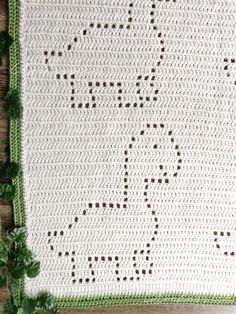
{"x": 6, "y": 218}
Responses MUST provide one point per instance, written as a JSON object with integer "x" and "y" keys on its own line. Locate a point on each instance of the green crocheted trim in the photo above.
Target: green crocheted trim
{"x": 15, "y": 124}
{"x": 127, "y": 299}
{"x": 19, "y": 212}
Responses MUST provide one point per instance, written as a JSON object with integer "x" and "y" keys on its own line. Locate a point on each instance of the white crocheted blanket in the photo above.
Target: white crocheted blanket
{"x": 129, "y": 145}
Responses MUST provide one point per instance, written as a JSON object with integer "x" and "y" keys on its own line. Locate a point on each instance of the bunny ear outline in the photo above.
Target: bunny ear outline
{"x": 142, "y": 80}
{"x": 48, "y": 54}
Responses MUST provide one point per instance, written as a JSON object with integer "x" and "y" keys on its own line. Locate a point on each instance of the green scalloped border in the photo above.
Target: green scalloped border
{"x": 19, "y": 212}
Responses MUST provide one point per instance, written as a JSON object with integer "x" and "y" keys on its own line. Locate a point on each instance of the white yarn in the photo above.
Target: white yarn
{"x": 128, "y": 140}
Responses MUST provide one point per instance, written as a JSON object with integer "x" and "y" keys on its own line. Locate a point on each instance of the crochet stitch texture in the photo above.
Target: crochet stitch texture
{"x": 128, "y": 139}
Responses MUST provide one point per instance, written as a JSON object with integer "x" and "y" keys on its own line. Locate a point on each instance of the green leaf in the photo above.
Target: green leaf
{"x": 5, "y": 42}
{"x": 3, "y": 254}
{"x": 16, "y": 268}
{"x": 46, "y": 301}
{"x": 15, "y": 286}
{"x": 24, "y": 254}
{"x": 17, "y": 235}
{"x": 20, "y": 311}
{"x": 7, "y": 191}
{"x": 13, "y": 96}
{"x": 29, "y": 305}
{"x": 14, "y": 104}
{"x": 2, "y": 281}
{"x": 2, "y": 245}
{"x": 54, "y": 311}
{"x": 9, "y": 308}
{"x": 9, "y": 170}
{"x": 33, "y": 269}
{"x": 13, "y": 170}
{"x": 15, "y": 111}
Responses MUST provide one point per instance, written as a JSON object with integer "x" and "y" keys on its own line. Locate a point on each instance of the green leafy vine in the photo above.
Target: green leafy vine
{"x": 17, "y": 261}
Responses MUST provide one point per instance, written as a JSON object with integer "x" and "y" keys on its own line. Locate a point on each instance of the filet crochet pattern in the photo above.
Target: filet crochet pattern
{"x": 128, "y": 144}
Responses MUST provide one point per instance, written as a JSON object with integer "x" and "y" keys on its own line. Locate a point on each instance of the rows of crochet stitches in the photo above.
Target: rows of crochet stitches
{"x": 128, "y": 139}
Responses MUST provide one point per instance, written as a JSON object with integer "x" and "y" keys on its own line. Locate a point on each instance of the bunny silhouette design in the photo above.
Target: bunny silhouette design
{"x": 144, "y": 147}
{"x": 109, "y": 83}
{"x": 121, "y": 44}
